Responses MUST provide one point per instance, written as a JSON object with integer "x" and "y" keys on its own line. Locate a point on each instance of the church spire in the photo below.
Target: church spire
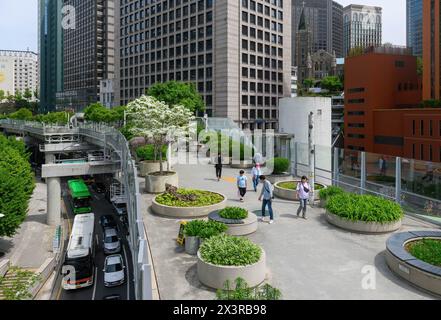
{"x": 302, "y": 24}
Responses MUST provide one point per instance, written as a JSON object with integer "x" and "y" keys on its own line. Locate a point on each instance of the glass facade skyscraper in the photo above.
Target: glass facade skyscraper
{"x": 51, "y": 52}
{"x": 414, "y": 26}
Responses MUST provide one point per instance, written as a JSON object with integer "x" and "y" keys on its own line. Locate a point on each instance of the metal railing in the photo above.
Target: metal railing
{"x": 112, "y": 139}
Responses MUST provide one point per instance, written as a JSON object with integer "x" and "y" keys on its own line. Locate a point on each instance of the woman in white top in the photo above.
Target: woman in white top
{"x": 303, "y": 190}
{"x": 256, "y": 173}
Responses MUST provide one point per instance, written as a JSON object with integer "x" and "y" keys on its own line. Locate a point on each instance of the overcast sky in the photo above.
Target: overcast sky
{"x": 19, "y": 27}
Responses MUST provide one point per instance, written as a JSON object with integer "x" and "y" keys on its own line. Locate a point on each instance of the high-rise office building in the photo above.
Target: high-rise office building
{"x": 236, "y": 52}
{"x": 51, "y": 52}
{"x": 89, "y": 52}
{"x": 431, "y": 50}
{"x": 325, "y": 19}
{"x": 23, "y": 73}
{"x": 362, "y": 27}
{"x": 414, "y": 26}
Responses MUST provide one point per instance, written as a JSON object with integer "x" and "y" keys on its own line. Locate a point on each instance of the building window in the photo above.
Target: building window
{"x": 422, "y": 152}
{"x": 391, "y": 141}
{"x": 399, "y": 64}
{"x": 422, "y": 127}
{"x": 355, "y": 101}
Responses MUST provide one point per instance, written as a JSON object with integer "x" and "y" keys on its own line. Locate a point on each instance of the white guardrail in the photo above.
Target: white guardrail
{"x": 113, "y": 139}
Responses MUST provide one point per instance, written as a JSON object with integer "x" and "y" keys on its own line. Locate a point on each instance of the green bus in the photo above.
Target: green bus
{"x": 80, "y": 195}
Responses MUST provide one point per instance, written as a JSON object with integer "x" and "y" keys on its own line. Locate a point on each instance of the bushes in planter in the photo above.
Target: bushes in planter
{"x": 329, "y": 192}
{"x": 204, "y": 229}
{"x": 223, "y": 250}
{"x": 147, "y": 153}
{"x": 365, "y": 208}
{"x": 280, "y": 165}
{"x": 241, "y": 291}
{"x": 234, "y": 213}
{"x": 201, "y": 198}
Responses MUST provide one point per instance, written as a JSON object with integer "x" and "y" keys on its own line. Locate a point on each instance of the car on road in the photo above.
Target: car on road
{"x": 107, "y": 221}
{"x": 99, "y": 187}
{"x": 112, "y": 243}
{"x": 114, "y": 271}
{"x": 120, "y": 208}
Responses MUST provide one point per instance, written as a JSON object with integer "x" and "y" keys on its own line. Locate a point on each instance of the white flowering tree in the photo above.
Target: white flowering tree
{"x": 156, "y": 121}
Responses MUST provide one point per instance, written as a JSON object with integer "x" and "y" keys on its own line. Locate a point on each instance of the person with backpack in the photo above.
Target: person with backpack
{"x": 242, "y": 184}
{"x": 256, "y": 172}
{"x": 303, "y": 190}
{"x": 267, "y": 196}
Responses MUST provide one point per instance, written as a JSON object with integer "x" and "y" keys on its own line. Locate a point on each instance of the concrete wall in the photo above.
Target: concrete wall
{"x": 294, "y": 118}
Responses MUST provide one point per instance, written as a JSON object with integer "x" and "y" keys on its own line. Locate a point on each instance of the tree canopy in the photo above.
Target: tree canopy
{"x": 96, "y": 112}
{"x": 332, "y": 83}
{"x": 175, "y": 93}
{"x": 16, "y": 185}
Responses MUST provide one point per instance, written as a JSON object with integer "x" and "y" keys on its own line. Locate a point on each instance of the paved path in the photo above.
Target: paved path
{"x": 32, "y": 244}
{"x": 306, "y": 259}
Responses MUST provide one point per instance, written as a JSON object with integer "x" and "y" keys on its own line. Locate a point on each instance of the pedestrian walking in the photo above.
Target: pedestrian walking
{"x": 267, "y": 196}
{"x": 218, "y": 166}
{"x": 242, "y": 185}
{"x": 256, "y": 172}
{"x": 303, "y": 190}
{"x": 383, "y": 166}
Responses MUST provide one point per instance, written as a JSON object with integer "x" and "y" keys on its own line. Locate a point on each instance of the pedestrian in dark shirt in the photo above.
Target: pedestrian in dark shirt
{"x": 219, "y": 167}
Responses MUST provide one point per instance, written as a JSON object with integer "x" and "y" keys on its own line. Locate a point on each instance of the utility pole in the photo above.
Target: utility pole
{"x": 311, "y": 153}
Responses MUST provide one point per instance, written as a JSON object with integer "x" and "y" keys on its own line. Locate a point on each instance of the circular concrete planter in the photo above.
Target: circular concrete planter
{"x": 237, "y": 227}
{"x": 276, "y": 178}
{"x": 214, "y": 276}
{"x": 289, "y": 194}
{"x": 187, "y": 212}
{"x": 362, "y": 226}
{"x": 156, "y": 184}
{"x": 247, "y": 164}
{"x": 147, "y": 167}
{"x": 402, "y": 263}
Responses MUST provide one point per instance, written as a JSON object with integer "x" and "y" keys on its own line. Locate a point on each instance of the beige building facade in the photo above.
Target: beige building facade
{"x": 19, "y": 71}
{"x": 236, "y": 52}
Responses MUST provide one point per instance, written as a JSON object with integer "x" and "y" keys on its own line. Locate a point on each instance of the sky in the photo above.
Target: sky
{"x": 19, "y": 22}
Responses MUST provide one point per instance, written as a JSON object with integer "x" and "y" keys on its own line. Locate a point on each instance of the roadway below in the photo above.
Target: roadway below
{"x": 98, "y": 291}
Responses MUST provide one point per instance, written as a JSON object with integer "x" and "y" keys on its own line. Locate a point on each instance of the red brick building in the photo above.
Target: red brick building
{"x": 382, "y": 114}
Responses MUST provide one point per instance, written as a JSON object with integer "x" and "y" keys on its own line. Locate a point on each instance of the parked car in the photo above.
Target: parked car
{"x": 114, "y": 271}
{"x": 108, "y": 221}
{"x": 112, "y": 243}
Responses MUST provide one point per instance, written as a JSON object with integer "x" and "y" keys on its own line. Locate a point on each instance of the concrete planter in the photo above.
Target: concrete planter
{"x": 187, "y": 212}
{"x": 247, "y": 164}
{"x": 276, "y": 178}
{"x": 156, "y": 184}
{"x": 147, "y": 167}
{"x": 214, "y": 276}
{"x": 323, "y": 203}
{"x": 361, "y": 226}
{"x": 192, "y": 245}
{"x": 402, "y": 263}
{"x": 237, "y": 227}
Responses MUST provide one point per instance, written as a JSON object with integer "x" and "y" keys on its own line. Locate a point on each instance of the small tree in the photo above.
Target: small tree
{"x": 308, "y": 83}
{"x": 158, "y": 122}
{"x": 357, "y": 51}
{"x": 175, "y": 93}
{"x": 2, "y": 96}
{"x": 333, "y": 84}
{"x": 27, "y": 94}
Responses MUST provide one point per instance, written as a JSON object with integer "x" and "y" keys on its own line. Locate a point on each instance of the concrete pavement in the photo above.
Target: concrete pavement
{"x": 306, "y": 259}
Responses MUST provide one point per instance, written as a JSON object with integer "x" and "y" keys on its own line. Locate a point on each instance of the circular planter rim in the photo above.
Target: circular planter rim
{"x": 164, "y": 205}
{"x": 262, "y": 256}
{"x": 169, "y": 175}
{"x": 277, "y": 184}
{"x": 419, "y": 238}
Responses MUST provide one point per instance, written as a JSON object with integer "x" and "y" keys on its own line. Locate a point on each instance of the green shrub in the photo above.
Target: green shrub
{"x": 211, "y": 229}
{"x": 193, "y": 228}
{"x": 365, "y": 208}
{"x": 329, "y": 192}
{"x": 427, "y": 250}
{"x": 243, "y": 292}
{"x": 202, "y": 199}
{"x": 233, "y": 213}
{"x": 280, "y": 165}
{"x": 147, "y": 153}
{"x": 223, "y": 250}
